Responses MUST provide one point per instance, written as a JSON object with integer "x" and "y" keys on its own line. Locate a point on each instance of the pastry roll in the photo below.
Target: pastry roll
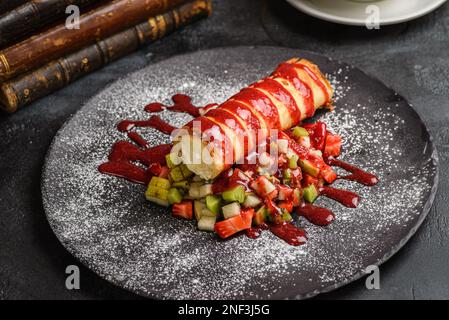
{"x": 229, "y": 133}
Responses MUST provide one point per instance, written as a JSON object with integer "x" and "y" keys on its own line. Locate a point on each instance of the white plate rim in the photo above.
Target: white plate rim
{"x": 306, "y": 8}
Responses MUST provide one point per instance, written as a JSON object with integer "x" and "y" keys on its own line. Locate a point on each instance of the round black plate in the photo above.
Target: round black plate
{"x": 107, "y": 224}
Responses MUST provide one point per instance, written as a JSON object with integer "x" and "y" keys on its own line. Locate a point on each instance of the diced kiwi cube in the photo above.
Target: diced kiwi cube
{"x": 157, "y": 195}
{"x": 184, "y": 184}
{"x": 197, "y": 209}
{"x": 158, "y": 201}
{"x": 205, "y": 190}
{"x": 286, "y": 216}
{"x": 174, "y": 196}
{"x": 207, "y": 223}
{"x": 309, "y": 167}
{"x": 213, "y": 203}
{"x": 287, "y": 174}
{"x": 231, "y": 210}
{"x": 293, "y": 161}
{"x": 234, "y": 194}
{"x": 310, "y": 193}
{"x": 260, "y": 216}
{"x": 185, "y": 171}
{"x": 176, "y": 174}
{"x": 251, "y": 201}
{"x": 205, "y": 212}
{"x": 168, "y": 159}
{"x": 300, "y": 132}
{"x": 160, "y": 183}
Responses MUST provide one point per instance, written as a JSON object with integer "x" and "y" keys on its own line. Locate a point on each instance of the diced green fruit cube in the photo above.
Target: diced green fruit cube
{"x": 158, "y": 201}
{"x": 231, "y": 210}
{"x": 207, "y": 223}
{"x": 234, "y": 194}
{"x": 194, "y": 190}
{"x": 160, "y": 183}
{"x": 174, "y": 196}
{"x": 170, "y": 159}
{"x": 197, "y": 209}
{"x": 260, "y": 216}
{"x": 293, "y": 161}
{"x": 213, "y": 203}
{"x": 310, "y": 168}
{"x": 310, "y": 193}
{"x": 300, "y": 132}
{"x": 205, "y": 190}
{"x": 157, "y": 195}
{"x": 185, "y": 171}
{"x": 176, "y": 174}
{"x": 287, "y": 174}
{"x": 296, "y": 197}
{"x": 184, "y": 184}
{"x": 251, "y": 201}
{"x": 286, "y": 216}
{"x": 154, "y": 191}
{"x": 205, "y": 212}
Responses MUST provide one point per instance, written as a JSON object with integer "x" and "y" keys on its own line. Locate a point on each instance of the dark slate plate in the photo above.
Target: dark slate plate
{"x": 107, "y": 224}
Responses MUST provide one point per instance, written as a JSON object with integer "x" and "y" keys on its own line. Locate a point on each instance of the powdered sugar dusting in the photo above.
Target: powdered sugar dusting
{"x": 108, "y": 225}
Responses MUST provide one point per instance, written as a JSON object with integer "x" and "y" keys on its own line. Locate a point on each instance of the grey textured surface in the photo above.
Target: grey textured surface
{"x": 411, "y": 58}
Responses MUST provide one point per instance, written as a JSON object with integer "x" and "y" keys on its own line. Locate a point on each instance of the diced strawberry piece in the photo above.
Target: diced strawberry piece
{"x": 296, "y": 178}
{"x": 155, "y": 169}
{"x": 332, "y": 146}
{"x": 296, "y": 198}
{"x": 273, "y": 194}
{"x": 317, "y": 161}
{"x": 273, "y": 210}
{"x": 262, "y": 186}
{"x": 228, "y": 227}
{"x": 271, "y": 206}
{"x": 317, "y": 133}
{"x": 287, "y": 205}
{"x": 183, "y": 210}
{"x": 328, "y": 174}
{"x": 282, "y": 160}
{"x": 164, "y": 172}
{"x": 307, "y": 180}
{"x": 259, "y": 217}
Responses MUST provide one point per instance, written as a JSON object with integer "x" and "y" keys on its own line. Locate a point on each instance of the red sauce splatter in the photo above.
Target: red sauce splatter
{"x": 229, "y": 179}
{"x": 123, "y": 158}
{"x": 289, "y": 233}
{"x": 154, "y": 122}
{"x": 154, "y": 107}
{"x": 357, "y": 174}
{"x": 346, "y": 198}
{"x": 316, "y": 215}
{"x": 138, "y": 139}
{"x": 255, "y": 232}
{"x": 181, "y": 103}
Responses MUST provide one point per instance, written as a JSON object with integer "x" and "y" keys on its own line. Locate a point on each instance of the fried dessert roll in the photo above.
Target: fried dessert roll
{"x": 228, "y": 133}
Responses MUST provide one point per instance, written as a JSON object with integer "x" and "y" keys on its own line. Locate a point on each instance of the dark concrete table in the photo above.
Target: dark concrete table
{"x": 412, "y": 58}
